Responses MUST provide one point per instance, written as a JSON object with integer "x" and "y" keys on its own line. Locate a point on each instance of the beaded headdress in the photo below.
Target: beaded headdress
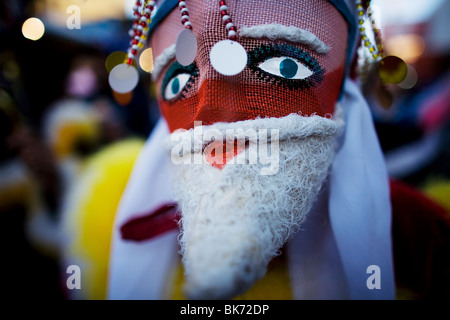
{"x": 227, "y": 56}
{"x": 124, "y": 77}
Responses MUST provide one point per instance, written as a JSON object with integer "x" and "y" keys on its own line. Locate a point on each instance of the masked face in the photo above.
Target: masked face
{"x": 236, "y": 217}
{"x": 282, "y": 76}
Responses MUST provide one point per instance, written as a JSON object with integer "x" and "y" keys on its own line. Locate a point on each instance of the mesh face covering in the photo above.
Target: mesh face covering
{"x": 199, "y": 93}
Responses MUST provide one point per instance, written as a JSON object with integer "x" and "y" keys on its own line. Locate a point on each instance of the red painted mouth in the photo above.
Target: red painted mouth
{"x": 218, "y": 153}
{"x": 151, "y": 224}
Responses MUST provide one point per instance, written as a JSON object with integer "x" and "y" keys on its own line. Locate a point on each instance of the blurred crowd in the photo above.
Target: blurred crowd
{"x": 57, "y": 110}
{"x": 412, "y": 119}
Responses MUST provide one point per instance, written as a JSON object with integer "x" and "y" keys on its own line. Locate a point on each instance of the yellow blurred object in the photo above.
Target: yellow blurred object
{"x": 72, "y": 132}
{"x": 115, "y": 58}
{"x": 275, "y": 285}
{"x": 439, "y": 191}
{"x": 33, "y": 29}
{"x": 89, "y": 216}
{"x": 392, "y": 69}
{"x": 91, "y": 11}
{"x": 16, "y": 186}
{"x": 68, "y": 124}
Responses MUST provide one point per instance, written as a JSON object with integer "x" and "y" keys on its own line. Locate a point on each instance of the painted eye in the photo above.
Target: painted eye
{"x": 176, "y": 85}
{"x": 286, "y": 67}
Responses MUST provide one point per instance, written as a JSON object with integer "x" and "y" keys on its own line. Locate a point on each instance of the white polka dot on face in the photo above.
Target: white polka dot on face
{"x": 123, "y": 78}
{"x": 186, "y": 47}
{"x": 228, "y": 57}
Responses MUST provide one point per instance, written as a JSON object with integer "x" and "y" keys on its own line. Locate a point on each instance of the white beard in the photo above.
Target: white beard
{"x": 235, "y": 220}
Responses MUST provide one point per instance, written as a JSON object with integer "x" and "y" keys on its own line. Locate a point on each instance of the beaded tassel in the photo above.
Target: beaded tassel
{"x": 140, "y": 28}
{"x": 186, "y": 43}
{"x": 228, "y": 57}
{"x": 184, "y": 14}
{"x": 226, "y": 19}
{"x": 375, "y": 50}
{"x": 124, "y": 77}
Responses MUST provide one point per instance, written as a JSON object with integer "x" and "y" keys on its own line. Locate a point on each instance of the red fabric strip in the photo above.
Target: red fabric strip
{"x": 146, "y": 226}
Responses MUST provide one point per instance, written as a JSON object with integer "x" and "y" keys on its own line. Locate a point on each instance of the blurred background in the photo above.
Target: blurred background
{"x": 57, "y": 109}
{"x": 412, "y": 119}
{"x": 413, "y": 116}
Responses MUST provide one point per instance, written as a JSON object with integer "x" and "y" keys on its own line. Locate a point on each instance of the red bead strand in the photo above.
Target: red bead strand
{"x": 139, "y": 30}
{"x": 184, "y": 14}
{"x": 226, "y": 19}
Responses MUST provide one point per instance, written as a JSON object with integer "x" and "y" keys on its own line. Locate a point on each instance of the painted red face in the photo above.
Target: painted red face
{"x": 281, "y": 76}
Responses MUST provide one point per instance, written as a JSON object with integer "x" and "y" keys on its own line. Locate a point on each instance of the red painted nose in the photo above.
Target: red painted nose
{"x": 222, "y": 101}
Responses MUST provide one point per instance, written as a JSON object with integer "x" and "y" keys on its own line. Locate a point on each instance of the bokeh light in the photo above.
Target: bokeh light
{"x": 114, "y": 59}
{"x": 146, "y": 60}
{"x": 33, "y": 29}
{"x": 411, "y": 79}
{"x": 409, "y": 47}
{"x": 91, "y": 11}
{"x": 123, "y": 99}
{"x": 392, "y": 69}
{"x": 123, "y": 78}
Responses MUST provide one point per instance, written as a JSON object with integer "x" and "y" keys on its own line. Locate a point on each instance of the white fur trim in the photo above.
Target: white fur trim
{"x": 275, "y": 31}
{"x": 293, "y": 125}
{"x": 162, "y": 60}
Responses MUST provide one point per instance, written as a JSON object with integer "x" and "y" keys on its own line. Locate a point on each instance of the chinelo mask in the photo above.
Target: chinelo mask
{"x": 258, "y": 64}
{"x": 293, "y": 64}
{"x": 256, "y": 111}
